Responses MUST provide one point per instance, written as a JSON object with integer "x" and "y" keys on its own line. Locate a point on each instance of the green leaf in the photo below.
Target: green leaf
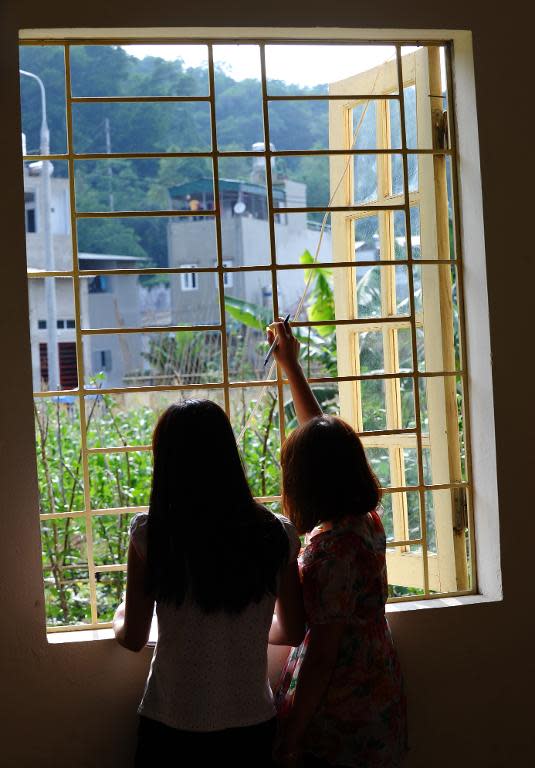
{"x": 247, "y": 313}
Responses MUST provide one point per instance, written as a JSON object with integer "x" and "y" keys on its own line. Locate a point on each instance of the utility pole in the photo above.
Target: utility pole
{"x": 108, "y": 151}
{"x": 50, "y": 282}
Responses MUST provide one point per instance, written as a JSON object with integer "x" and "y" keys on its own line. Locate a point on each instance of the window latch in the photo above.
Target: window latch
{"x": 440, "y": 128}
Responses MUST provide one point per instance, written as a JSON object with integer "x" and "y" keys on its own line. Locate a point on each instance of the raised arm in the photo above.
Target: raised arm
{"x": 287, "y": 355}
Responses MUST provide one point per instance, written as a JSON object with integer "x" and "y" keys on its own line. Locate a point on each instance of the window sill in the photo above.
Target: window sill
{"x": 87, "y": 635}
{"x": 441, "y": 602}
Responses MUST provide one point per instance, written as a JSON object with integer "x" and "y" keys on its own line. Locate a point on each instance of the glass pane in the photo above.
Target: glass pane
{"x": 52, "y": 333}
{"x": 387, "y": 519}
{"x": 134, "y": 301}
{"x": 110, "y": 540}
{"x": 297, "y": 237}
{"x": 47, "y": 216}
{"x": 405, "y": 572}
{"x": 370, "y": 351}
{"x": 400, "y": 233}
{"x": 404, "y": 346}
{"x": 46, "y": 62}
{"x": 373, "y": 404}
{"x": 120, "y": 479}
{"x": 238, "y": 97}
{"x": 164, "y": 69}
{"x": 130, "y": 417}
{"x": 65, "y": 571}
{"x": 150, "y": 184}
{"x": 372, "y": 282}
{"x": 398, "y": 182}
{"x": 255, "y": 410}
{"x": 166, "y": 127}
{"x": 304, "y": 68}
{"x": 379, "y": 461}
{"x": 57, "y": 434}
{"x": 110, "y": 592}
{"x": 367, "y": 241}
{"x": 366, "y": 183}
{"x": 146, "y": 359}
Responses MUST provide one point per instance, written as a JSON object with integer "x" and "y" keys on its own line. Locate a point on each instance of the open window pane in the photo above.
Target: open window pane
{"x": 129, "y": 418}
{"x": 110, "y": 539}
{"x": 256, "y": 409}
{"x": 155, "y": 184}
{"x": 120, "y": 479}
{"x": 164, "y": 72}
{"x": 147, "y": 359}
{"x": 47, "y": 216}
{"x": 60, "y": 477}
{"x": 133, "y": 301}
{"x": 233, "y": 133}
{"x": 46, "y": 62}
{"x": 322, "y": 64}
{"x": 110, "y": 592}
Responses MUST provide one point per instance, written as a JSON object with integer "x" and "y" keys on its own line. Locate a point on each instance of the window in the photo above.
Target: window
{"x": 349, "y": 222}
{"x": 30, "y": 212}
{"x": 188, "y": 280}
{"x": 99, "y": 284}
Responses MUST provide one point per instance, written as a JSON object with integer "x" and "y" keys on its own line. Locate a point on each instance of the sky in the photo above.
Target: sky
{"x": 303, "y": 65}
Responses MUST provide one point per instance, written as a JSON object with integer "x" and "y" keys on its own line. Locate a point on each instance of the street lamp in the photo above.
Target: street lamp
{"x": 50, "y": 282}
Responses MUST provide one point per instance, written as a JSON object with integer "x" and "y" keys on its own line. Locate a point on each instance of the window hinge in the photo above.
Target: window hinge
{"x": 460, "y": 510}
{"x": 440, "y": 128}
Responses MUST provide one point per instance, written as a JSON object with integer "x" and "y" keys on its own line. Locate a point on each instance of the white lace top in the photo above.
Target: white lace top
{"x": 209, "y": 671}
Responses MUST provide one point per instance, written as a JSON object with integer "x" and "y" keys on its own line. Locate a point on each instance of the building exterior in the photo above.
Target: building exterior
{"x": 106, "y": 301}
{"x": 245, "y": 242}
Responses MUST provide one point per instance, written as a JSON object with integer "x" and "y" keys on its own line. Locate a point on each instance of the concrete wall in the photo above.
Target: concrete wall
{"x": 469, "y": 668}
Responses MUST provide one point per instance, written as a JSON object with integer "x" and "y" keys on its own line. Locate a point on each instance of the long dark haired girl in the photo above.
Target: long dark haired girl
{"x": 216, "y": 564}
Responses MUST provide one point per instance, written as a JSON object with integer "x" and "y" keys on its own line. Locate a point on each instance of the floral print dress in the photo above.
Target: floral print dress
{"x": 361, "y": 719}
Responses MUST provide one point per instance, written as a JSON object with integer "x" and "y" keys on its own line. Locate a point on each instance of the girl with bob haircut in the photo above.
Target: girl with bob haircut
{"x": 216, "y": 564}
{"x": 340, "y": 696}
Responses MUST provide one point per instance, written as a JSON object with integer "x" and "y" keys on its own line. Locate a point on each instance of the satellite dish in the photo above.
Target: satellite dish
{"x": 239, "y": 208}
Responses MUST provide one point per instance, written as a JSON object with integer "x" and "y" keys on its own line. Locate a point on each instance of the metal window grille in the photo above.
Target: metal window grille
{"x": 419, "y": 561}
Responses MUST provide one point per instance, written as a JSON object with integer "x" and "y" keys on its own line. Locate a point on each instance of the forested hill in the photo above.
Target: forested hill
{"x": 155, "y": 127}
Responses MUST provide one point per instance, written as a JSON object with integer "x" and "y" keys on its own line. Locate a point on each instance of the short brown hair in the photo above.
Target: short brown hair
{"x": 325, "y": 473}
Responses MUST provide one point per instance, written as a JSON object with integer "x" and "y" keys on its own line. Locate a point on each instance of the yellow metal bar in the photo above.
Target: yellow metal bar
{"x": 416, "y": 388}
{"x": 240, "y": 384}
{"x": 115, "y": 568}
{"x": 80, "y": 352}
{"x": 40, "y": 274}
{"x": 135, "y": 99}
{"x": 272, "y": 238}
{"x": 138, "y": 214}
{"x": 151, "y": 329}
{"x": 219, "y": 241}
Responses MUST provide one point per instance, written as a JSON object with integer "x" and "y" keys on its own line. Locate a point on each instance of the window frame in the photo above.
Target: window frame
{"x": 463, "y": 48}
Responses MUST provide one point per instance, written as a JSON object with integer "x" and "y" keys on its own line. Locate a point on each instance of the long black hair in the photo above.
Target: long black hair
{"x": 206, "y": 533}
